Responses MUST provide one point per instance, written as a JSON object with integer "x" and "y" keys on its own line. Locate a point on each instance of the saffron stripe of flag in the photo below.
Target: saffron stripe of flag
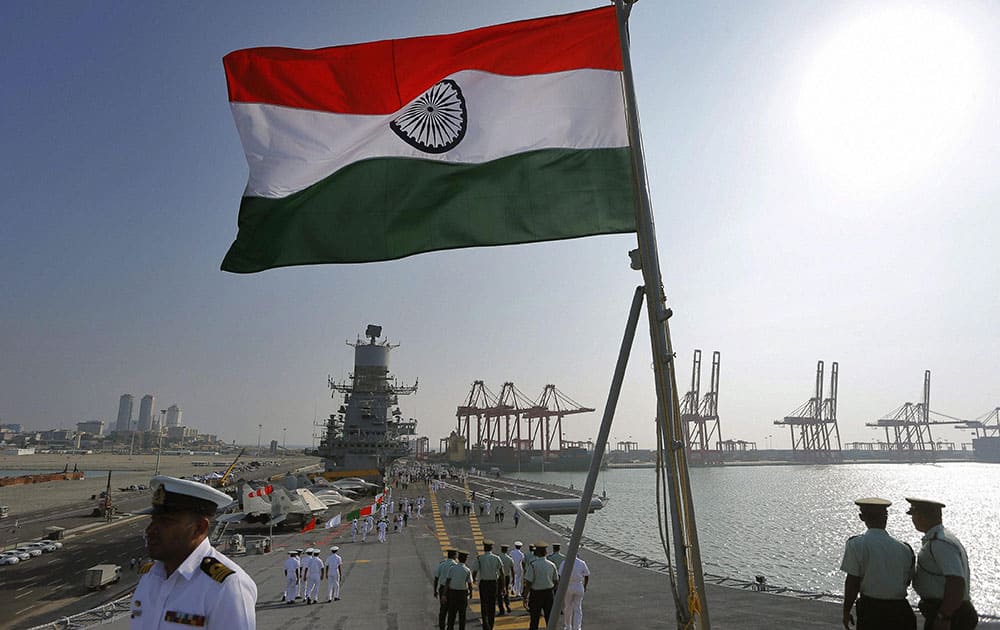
{"x": 380, "y": 77}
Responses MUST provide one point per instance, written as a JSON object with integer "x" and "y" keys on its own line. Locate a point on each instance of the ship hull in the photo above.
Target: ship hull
{"x": 510, "y": 460}
{"x": 986, "y": 449}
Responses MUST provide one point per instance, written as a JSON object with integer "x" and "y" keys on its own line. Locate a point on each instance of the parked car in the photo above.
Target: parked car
{"x": 45, "y": 545}
{"x": 8, "y": 558}
{"x": 21, "y": 555}
{"x": 33, "y": 551}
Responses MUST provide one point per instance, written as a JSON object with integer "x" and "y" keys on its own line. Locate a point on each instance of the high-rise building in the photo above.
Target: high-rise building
{"x": 124, "y": 422}
{"x": 146, "y": 412}
{"x": 94, "y": 427}
{"x": 174, "y": 416}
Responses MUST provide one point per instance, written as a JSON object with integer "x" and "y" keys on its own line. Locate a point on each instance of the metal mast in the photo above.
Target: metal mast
{"x": 690, "y": 586}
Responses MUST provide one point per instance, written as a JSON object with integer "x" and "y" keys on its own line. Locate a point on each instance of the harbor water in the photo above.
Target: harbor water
{"x": 789, "y": 523}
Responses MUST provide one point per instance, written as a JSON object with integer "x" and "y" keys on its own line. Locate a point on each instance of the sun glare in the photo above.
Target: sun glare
{"x": 886, "y": 97}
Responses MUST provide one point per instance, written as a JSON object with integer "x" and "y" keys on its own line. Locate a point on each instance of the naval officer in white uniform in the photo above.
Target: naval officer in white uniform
{"x": 879, "y": 568}
{"x": 189, "y": 583}
{"x": 942, "y": 576}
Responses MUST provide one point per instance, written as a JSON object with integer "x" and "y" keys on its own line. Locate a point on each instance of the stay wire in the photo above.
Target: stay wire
{"x": 662, "y": 504}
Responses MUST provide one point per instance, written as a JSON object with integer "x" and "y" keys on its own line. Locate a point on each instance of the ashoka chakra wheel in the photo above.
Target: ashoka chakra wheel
{"x": 435, "y": 121}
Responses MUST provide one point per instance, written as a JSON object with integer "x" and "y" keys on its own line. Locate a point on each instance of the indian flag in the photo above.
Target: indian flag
{"x": 506, "y": 134}
{"x": 367, "y": 510}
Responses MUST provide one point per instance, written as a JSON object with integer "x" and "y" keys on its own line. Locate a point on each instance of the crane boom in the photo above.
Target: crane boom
{"x": 225, "y": 475}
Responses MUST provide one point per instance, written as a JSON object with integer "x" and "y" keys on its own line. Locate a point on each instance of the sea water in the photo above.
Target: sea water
{"x": 790, "y": 523}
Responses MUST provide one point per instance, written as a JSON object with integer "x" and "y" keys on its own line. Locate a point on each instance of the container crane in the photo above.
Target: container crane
{"x": 813, "y": 425}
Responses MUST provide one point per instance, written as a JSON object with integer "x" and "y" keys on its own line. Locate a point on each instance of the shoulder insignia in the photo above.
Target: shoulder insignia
{"x": 215, "y": 569}
{"x": 144, "y": 569}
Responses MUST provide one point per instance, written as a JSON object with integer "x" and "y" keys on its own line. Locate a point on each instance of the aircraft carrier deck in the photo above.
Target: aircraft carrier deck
{"x": 389, "y": 586}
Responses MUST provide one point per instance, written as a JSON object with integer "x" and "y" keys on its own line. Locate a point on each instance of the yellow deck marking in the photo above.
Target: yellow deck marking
{"x": 511, "y": 621}
{"x": 477, "y": 534}
{"x": 439, "y": 529}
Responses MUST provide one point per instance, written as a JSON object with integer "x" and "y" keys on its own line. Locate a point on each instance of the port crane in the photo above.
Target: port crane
{"x": 908, "y": 428}
{"x": 987, "y": 425}
{"x": 511, "y": 404}
{"x": 477, "y": 404}
{"x": 813, "y": 426}
{"x": 545, "y": 417}
{"x": 701, "y": 417}
{"x": 511, "y": 419}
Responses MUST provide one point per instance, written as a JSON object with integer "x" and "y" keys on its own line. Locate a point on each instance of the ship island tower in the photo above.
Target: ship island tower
{"x": 368, "y": 430}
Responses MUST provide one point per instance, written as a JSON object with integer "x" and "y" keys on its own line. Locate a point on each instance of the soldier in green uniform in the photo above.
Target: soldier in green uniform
{"x": 540, "y": 581}
{"x": 441, "y": 585}
{"x": 459, "y": 583}
{"x": 557, "y": 556}
{"x": 488, "y": 569}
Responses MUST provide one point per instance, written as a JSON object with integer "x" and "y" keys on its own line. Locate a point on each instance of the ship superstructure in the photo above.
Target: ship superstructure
{"x": 368, "y": 430}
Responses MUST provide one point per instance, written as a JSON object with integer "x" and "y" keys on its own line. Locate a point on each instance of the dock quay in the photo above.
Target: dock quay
{"x": 389, "y": 586}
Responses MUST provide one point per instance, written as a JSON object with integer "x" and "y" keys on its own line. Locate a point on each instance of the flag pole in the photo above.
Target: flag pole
{"x": 554, "y": 621}
{"x": 692, "y": 606}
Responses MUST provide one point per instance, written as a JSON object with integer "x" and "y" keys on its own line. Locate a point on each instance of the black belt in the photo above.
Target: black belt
{"x": 879, "y": 599}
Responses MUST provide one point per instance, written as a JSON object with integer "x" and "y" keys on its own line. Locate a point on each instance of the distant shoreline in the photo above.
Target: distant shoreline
{"x": 125, "y": 471}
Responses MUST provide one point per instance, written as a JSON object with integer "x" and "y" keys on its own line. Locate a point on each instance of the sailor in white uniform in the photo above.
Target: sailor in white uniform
{"x": 332, "y": 572}
{"x": 189, "y": 582}
{"x": 313, "y": 574}
{"x": 300, "y": 584}
{"x": 292, "y": 572}
{"x": 579, "y": 579}
{"x": 518, "y": 557}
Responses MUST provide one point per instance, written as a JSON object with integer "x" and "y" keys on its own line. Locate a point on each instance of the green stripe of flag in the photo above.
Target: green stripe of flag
{"x": 384, "y": 209}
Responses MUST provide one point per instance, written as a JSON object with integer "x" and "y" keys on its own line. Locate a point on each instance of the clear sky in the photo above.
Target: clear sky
{"x": 824, "y": 182}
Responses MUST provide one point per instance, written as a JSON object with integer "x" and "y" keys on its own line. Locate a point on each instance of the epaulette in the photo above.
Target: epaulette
{"x": 215, "y": 569}
{"x": 853, "y": 537}
{"x": 144, "y": 569}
